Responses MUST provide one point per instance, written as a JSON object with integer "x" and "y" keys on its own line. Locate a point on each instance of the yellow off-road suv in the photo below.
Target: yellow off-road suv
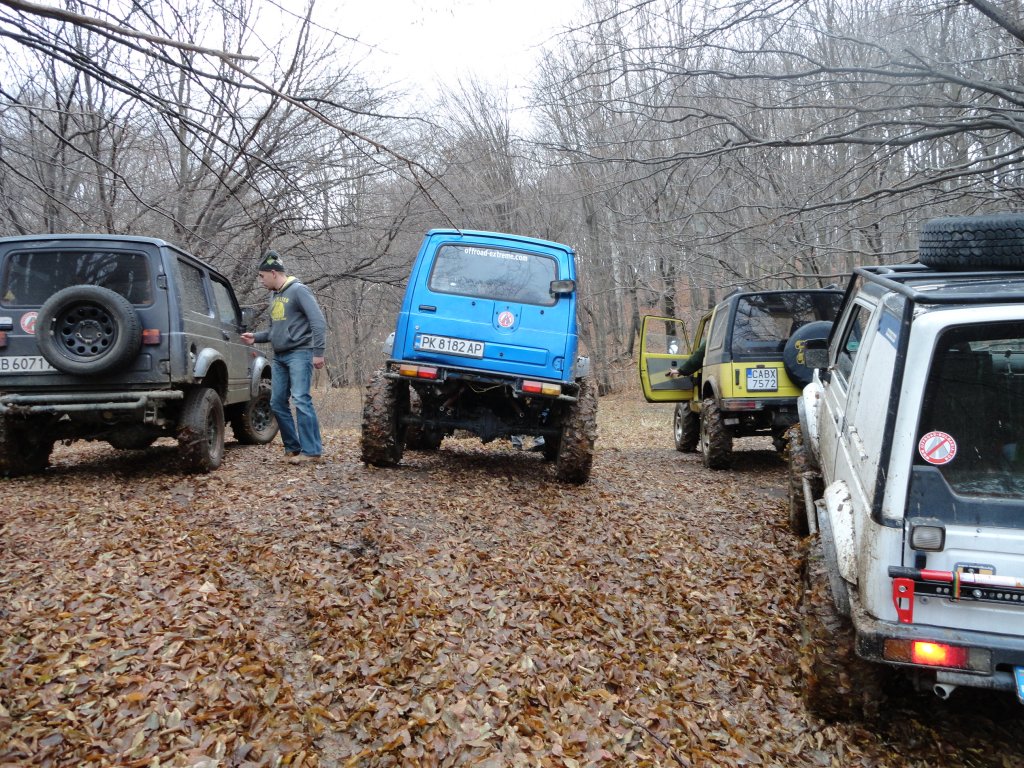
{"x": 751, "y": 373}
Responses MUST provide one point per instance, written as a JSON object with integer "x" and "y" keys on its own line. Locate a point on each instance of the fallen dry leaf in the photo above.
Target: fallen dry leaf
{"x": 461, "y": 609}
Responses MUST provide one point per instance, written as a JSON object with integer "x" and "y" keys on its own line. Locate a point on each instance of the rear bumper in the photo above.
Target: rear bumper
{"x": 518, "y": 385}
{"x": 1007, "y": 651}
{"x": 79, "y": 402}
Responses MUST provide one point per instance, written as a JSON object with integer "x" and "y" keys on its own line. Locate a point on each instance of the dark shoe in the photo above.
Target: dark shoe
{"x": 291, "y": 454}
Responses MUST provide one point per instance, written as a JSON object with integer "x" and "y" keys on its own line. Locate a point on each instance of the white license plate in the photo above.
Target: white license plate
{"x": 24, "y": 364}
{"x": 450, "y": 346}
{"x": 762, "y": 379}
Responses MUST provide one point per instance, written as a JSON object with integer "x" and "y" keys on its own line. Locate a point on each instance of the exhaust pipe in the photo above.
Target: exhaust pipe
{"x": 943, "y": 690}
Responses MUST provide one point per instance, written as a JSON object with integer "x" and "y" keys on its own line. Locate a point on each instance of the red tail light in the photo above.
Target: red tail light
{"x": 151, "y": 336}
{"x": 542, "y": 388}
{"x": 418, "y": 371}
{"x": 928, "y": 653}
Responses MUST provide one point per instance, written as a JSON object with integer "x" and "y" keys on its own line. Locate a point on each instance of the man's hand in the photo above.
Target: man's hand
{"x": 318, "y": 363}
{"x": 248, "y": 338}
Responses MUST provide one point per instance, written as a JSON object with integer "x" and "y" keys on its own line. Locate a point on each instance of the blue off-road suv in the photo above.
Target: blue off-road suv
{"x": 486, "y": 342}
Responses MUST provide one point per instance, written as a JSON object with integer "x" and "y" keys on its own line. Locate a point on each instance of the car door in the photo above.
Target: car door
{"x": 237, "y": 355}
{"x": 664, "y": 346}
{"x": 832, "y": 422}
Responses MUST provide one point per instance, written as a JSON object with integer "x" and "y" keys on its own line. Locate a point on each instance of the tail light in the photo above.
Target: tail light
{"x": 418, "y": 371}
{"x": 151, "y": 336}
{"x": 542, "y": 388}
{"x": 927, "y": 653}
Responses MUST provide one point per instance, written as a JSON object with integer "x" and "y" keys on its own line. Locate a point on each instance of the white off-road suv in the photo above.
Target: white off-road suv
{"x": 907, "y": 472}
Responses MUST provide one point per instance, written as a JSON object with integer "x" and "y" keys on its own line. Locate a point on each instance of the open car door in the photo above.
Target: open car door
{"x": 664, "y": 346}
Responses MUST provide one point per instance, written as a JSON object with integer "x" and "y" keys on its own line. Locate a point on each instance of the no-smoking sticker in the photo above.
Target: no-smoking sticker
{"x": 28, "y": 322}
{"x": 937, "y": 448}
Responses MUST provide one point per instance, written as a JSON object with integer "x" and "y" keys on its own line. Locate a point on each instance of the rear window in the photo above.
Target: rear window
{"x": 764, "y": 322}
{"x": 972, "y": 420}
{"x": 31, "y": 277}
{"x": 494, "y": 273}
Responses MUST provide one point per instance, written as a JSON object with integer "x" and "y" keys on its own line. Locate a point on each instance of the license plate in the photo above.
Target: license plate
{"x": 24, "y": 364}
{"x": 449, "y": 346}
{"x": 762, "y": 379}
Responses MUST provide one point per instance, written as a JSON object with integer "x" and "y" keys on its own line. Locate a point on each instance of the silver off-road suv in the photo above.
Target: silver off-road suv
{"x": 907, "y": 474}
{"x": 122, "y": 339}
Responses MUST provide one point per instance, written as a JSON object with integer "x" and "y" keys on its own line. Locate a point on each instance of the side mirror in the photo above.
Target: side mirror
{"x": 814, "y": 353}
{"x": 248, "y": 316}
{"x": 562, "y": 286}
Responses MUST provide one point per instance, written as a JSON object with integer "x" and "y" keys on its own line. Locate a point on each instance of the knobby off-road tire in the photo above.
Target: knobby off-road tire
{"x": 973, "y": 242}
{"x": 416, "y": 437}
{"x": 685, "y": 428}
{"x": 836, "y": 683}
{"x": 715, "y": 439}
{"x": 22, "y": 451}
{"x": 88, "y": 330}
{"x": 579, "y": 431}
{"x": 801, "y": 465}
{"x": 383, "y": 437}
{"x": 253, "y": 422}
{"x": 201, "y": 430}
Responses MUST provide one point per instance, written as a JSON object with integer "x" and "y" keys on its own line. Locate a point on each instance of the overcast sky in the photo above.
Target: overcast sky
{"x": 423, "y": 41}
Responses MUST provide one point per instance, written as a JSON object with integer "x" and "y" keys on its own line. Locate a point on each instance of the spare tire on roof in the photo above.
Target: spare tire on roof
{"x": 799, "y": 373}
{"x": 964, "y": 243}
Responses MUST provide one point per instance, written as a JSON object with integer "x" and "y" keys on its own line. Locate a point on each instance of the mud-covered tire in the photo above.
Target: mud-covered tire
{"x": 253, "y": 422}
{"x": 973, "y": 242}
{"x": 416, "y": 437}
{"x": 579, "y": 431}
{"x": 715, "y": 439}
{"x": 22, "y": 450}
{"x": 836, "y": 683}
{"x": 801, "y": 464}
{"x": 383, "y": 434}
{"x": 685, "y": 428}
{"x": 792, "y": 359}
{"x": 88, "y": 330}
{"x": 201, "y": 431}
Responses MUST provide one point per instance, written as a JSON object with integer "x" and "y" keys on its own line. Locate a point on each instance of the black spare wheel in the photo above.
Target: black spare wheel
{"x": 973, "y": 242}
{"x": 88, "y": 330}
{"x": 792, "y": 356}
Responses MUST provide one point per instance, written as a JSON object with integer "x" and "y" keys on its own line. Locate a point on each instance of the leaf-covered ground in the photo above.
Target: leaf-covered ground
{"x": 463, "y": 609}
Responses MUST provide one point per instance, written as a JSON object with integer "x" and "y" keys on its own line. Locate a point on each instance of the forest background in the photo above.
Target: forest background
{"x": 684, "y": 148}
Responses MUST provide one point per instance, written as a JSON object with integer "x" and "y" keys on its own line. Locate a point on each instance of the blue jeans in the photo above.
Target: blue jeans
{"x": 291, "y": 375}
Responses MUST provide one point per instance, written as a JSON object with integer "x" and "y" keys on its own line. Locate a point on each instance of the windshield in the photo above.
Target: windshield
{"x": 764, "y": 322}
{"x": 494, "y": 273}
{"x": 31, "y": 277}
{"x": 972, "y": 420}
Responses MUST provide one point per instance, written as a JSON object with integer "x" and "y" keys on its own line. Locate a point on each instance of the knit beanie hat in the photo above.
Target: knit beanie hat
{"x": 271, "y": 263}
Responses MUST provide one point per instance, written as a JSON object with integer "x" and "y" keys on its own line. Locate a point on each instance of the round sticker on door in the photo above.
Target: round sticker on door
{"x": 506, "y": 319}
{"x": 28, "y": 322}
{"x": 937, "y": 448}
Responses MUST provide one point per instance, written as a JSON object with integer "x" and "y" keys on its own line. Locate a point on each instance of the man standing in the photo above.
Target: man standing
{"x": 297, "y": 332}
